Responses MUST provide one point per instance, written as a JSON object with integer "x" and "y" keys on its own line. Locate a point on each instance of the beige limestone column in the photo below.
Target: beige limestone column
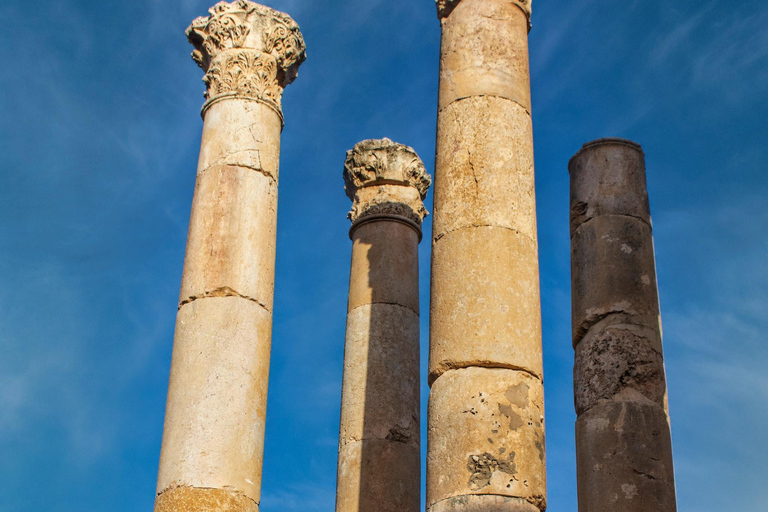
{"x": 623, "y": 446}
{"x": 486, "y": 408}
{"x": 379, "y": 446}
{"x": 213, "y": 438}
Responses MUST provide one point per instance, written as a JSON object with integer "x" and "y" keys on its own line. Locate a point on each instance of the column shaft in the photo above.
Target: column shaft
{"x": 379, "y": 466}
{"x": 486, "y": 411}
{"x": 623, "y": 445}
{"x": 213, "y": 439}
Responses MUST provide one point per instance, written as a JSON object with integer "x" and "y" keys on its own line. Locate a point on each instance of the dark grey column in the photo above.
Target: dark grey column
{"x": 623, "y": 446}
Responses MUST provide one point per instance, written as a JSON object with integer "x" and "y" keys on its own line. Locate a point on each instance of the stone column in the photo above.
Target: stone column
{"x": 379, "y": 445}
{"x": 486, "y": 412}
{"x": 623, "y": 446}
{"x": 213, "y": 438}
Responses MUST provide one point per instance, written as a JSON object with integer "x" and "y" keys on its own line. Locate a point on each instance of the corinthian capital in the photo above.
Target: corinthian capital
{"x": 386, "y": 179}
{"x": 247, "y": 50}
{"x": 445, "y": 7}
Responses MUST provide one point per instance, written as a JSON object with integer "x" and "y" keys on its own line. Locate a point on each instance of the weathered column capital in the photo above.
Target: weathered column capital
{"x": 248, "y": 51}
{"x": 445, "y": 7}
{"x": 386, "y": 179}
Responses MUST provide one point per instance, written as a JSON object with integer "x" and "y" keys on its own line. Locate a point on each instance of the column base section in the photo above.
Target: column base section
{"x": 486, "y": 437}
{"x": 378, "y": 475}
{"x": 482, "y": 503}
{"x": 624, "y": 459}
{"x": 194, "y": 499}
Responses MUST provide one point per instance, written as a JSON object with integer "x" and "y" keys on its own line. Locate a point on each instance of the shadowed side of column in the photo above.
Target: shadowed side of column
{"x": 379, "y": 465}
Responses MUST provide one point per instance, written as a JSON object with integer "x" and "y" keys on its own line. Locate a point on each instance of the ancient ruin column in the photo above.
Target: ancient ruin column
{"x": 486, "y": 410}
{"x": 623, "y": 446}
{"x": 379, "y": 445}
{"x": 213, "y": 438}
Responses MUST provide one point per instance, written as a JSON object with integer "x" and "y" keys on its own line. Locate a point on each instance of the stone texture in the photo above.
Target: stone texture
{"x": 608, "y": 178}
{"x": 213, "y": 439}
{"x": 381, "y": 375}
{"x": 614, "y": 271}
{"x": 485, "y": 302}
{"x": 214, "y": 427}
{"x": 624, "y": 459}
{"x": 485, "y": 167}
{"x": 484, "y": 52}
{"x": 379, "y": 468}
{"x": 232, "y": 236}
{"x": 392, "y": 267}
{"x": 623, "y": 446}
{"x": 483, "y": 503}
{"x": 378, "y": 476}
{"x": 485, "y": 319}
{"x": 486, "y": 434}
{"x": 619, "y": 361}
{"x": 184, "y": 499}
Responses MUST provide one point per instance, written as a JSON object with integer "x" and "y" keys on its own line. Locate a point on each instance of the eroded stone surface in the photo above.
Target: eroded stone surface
{"x": 186, "y": 499}
{"x": 446, "y": 7}
{"x": 624, "y": 459}
{"x": 619, "y": 362}
{"x": 485, "y": 172}
{"x": 484, "y": 52}
{"x": 214, "y": 427}
{"x": 486, "y": 434}
{"x": 485, "y": 302}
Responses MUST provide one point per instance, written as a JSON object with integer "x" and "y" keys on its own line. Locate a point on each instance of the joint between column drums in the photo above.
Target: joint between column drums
{"x": 185, "y": 497}
{"x": 474, "y": 503}
{"x": 380, "y": 303}
{"x": 224, "y": 291}
{"x": 456, "y": 100}
{"x": 445, "y": 368}
{"x": 394, "y": 218}
{"x": 636, "y": 217}
{"x": 236, "y": 96}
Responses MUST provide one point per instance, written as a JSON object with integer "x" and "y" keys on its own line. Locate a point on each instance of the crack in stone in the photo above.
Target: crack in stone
{"x": 383, "y": 303}
{"x": 462, "y": 98}
{"x": 258, "y": 170}
{"x": 224, "y": 291}
{"x": 473, "y": 226}
{"x": 446, "y": 367}
{"x": 611, "y": 215}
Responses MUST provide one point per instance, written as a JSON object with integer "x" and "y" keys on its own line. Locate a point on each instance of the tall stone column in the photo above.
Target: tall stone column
{"x": 486, "y": 410}
{"x": 623, "y": 446}
{"x": 213, "y": 438}
{"x": 379, "y": 446}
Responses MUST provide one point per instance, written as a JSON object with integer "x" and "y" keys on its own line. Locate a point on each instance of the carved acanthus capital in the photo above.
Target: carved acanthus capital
{"x": 445, "y": 7}
{"x": 384, "y": 178}
{"x": 247, "y": 50}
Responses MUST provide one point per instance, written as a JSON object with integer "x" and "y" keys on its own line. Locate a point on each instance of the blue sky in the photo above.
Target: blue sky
{"x": 99, "y": 135}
